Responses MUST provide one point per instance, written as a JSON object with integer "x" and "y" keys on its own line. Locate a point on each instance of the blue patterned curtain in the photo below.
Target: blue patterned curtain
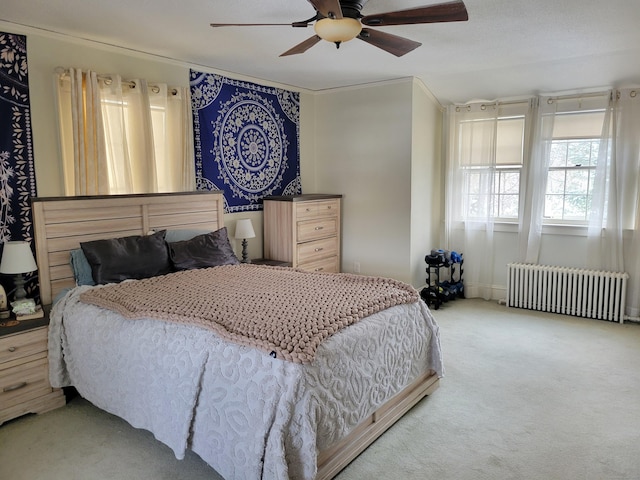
{"x": 17, "y": 175}
{"x": 246, "y": 140}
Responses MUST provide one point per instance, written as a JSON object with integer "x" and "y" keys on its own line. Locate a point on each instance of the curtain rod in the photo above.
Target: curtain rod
{"x": 107, "y": 79}
{"x": 524, "y": 101}
{"x": 578, "y": 95}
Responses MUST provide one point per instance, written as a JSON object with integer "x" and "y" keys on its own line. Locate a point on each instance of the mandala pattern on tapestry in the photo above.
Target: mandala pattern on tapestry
{"x": 246, "y": 140}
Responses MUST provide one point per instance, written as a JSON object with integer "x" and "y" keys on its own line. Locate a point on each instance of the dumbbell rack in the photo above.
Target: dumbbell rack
{"x": 436, "y": 292}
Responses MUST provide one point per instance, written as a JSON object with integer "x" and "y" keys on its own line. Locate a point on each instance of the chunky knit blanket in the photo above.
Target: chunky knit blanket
{"x": 282, "y": 311}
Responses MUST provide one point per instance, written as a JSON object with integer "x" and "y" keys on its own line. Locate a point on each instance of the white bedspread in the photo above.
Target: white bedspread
{"x": 248, "y": 415}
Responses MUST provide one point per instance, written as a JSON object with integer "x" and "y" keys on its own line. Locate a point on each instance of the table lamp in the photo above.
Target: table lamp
{"x": 17, "y": 260}
{"x": 244, "y": 230}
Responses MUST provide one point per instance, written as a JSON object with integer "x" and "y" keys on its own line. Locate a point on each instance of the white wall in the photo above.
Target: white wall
{"x": 363, "y": 151}
{"x": 426, "y": 180}
{"x": 378, "y": 145}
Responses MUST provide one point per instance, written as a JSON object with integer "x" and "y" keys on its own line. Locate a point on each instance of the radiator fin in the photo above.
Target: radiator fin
{"x": 570, "y": 291}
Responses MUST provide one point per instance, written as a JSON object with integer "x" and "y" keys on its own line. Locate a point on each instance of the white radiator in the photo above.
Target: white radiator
{"x": 571, "y": 291}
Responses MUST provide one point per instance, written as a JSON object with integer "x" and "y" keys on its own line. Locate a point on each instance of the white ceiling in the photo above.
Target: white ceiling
{"x": 508, "y": 48}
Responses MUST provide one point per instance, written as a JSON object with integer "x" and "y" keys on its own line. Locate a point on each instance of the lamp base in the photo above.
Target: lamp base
{"x": 20, "y": 291}
{"x": 245, "y": 255}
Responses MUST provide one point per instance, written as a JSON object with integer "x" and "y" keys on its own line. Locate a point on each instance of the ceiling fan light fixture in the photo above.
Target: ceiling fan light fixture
{"x": 337, "y": 30}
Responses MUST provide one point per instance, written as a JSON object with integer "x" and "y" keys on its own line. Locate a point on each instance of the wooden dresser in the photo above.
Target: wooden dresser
{"x": 303, "y": 230}
{"x": 24, "y": 371}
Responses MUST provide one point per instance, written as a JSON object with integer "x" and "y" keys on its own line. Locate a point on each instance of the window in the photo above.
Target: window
{"x": 572, "y": 164}
{"x": 492, "y": 172}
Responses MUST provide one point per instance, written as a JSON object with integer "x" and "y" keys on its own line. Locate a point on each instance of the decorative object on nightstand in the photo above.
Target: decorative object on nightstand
{"x": 4, "y": 306}
{"x": 17, "y": 259}
{"x": 244, "y": 230}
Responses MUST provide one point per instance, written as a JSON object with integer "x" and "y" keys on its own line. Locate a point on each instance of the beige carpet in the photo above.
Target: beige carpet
{"x": 526, "y": 396}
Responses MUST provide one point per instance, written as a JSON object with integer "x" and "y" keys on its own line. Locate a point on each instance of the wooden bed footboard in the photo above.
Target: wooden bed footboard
{"x": 332, "y": 460}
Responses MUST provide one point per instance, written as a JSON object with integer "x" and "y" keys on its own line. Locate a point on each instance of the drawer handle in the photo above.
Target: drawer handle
{"x": 319, "y": 269}
{"x": 12, "y": 349}
{"x": 17, "y": 386}
{"x": 308, "y": 210}
{"x": 319, "y": 249}
{"x": 319, "y": 228}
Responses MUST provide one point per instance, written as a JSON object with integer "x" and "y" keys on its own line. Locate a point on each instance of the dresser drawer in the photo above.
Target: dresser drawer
{"x": 315, "y": 229}
{"x": 23, "y": 383}
{"x": 329, "y": 265}
{"x": 14, "y": 348}
{"x": 320, "y": 208}
{"x": 311, "y": 251}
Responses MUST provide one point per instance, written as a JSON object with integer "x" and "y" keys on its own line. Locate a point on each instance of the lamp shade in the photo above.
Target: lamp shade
{"x": 17, "y": 258}
{"x": 244, "y": 229}
{"x": 337, "y": 29}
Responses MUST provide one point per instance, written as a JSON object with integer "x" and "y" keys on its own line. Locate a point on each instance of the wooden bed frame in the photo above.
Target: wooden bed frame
{"x": 61, "y": 223}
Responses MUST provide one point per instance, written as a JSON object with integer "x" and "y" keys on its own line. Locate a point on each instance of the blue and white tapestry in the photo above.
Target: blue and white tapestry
{"x": 17, "y": 175}
{"x": 246, "y": 140}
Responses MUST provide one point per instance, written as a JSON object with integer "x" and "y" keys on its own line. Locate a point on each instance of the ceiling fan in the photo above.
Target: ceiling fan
{"x": 338, "y": 21}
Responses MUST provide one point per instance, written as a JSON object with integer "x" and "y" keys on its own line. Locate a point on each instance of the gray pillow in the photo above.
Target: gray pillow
{"x": 81, "y": 268}
{"x": 183, "y": 234}
{"x": 116, "y": 259}
{"x": 207, "y": 250}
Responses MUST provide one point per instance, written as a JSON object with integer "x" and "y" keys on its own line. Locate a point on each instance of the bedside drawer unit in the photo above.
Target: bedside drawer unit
{"x": 312, "y": 251}
{"x": 24, "y": 382}
{"x": 318, "y": 208}
{"x": 318, "y": 228}
{"x": 329, "y": 265}
{"x": 17, "y": 346}
{"x": 24, "y": 375}
{"x": 303, "y": 230}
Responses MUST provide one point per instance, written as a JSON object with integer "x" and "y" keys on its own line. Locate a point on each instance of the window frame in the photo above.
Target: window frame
{"x": 590, "y": 177}
{"x": 498, "y": 170}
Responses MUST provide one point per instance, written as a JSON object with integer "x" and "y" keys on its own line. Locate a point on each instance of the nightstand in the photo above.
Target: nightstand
{"x": 24, "y": 370}
{"x": 303, "y": 230}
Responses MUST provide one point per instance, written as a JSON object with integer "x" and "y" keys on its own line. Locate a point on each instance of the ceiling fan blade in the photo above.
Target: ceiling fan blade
{"x": 302, "y": 47}
{"x": 393, "y": 44}
{"x": 441, "y": 12}
{"x": 294, "y": 24}
{"x": 328, "y": 8}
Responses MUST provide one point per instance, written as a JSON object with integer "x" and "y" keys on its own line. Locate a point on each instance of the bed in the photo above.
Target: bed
{"x": 248, "y": 412}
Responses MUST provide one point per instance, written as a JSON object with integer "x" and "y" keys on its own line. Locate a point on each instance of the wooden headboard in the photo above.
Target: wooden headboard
{"x": 61, "y": 223}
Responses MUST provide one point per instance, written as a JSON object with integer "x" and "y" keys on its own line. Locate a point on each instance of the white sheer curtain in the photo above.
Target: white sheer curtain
{"x": 469, "y": 208}
{"x": 84, "y": 152}
{"x": 614, "y": 226}
{"x": 550, "y": 119}
{"x": 126, "y": 113}
{"x": 176, "y": 133}
{"x": 124, "y": 136}
{"x": 537, "y": 149}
